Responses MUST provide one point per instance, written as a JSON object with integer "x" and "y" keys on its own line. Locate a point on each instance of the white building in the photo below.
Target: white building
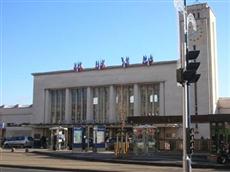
{"x": 110, "y": 95}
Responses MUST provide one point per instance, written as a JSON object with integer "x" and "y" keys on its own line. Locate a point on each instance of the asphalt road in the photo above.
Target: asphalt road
{"x": 29, "y": 162}
{"x": 169, "y": 169}
{"x": 23, "y": 170}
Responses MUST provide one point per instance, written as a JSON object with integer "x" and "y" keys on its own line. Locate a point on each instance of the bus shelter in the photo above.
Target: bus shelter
{"x": 58, "y": 138}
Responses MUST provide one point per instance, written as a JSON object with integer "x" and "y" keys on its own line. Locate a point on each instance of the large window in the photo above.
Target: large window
{"x": 100, "y": 104}
{"x": 149, "y": 99}
{"x": 124, "y": 102}
{"x": 79, "y": 101}
{"x": 57, "y": 106}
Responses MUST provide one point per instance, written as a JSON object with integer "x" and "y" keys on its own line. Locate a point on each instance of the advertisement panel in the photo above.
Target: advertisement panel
{"x": 77, "y": 136}
{"x": 99, "y": 136}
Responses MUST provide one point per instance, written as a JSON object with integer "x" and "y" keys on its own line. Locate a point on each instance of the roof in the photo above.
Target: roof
{"x": 15, "y": 106}
{"x": 106, "y": 68}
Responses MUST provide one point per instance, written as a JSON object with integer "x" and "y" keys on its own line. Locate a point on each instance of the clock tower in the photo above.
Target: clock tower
{"x": 204, "y": 94}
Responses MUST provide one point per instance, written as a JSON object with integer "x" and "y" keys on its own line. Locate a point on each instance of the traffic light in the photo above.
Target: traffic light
{"x": 179, "y": 75}
{"x": 190, "y": 141}
{"x": 189, "y": 73}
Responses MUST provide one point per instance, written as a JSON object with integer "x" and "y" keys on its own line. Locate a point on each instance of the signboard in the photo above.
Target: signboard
{"x": 99, "y": 136}
{"x": 2, "y": 125}
{"x": 131, "y": 99}
{"x": 77, "y": 136}
{"x": 95, "y": 100}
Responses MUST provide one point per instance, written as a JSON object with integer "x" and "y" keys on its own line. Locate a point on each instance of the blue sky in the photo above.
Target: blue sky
{"x": 48, "y": 35}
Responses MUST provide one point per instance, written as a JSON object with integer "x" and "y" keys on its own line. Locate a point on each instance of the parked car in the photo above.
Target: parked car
{"x": 19, "y": 141}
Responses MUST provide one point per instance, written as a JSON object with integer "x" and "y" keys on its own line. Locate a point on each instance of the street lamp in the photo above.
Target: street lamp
{"x": 185, "y": 76}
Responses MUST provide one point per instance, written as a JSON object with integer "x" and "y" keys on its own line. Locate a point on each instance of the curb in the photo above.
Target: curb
{"x": 172, "y": 164}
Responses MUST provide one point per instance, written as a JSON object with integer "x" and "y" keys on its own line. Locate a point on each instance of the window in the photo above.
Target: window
{"x": 79, "y": 103}
{"x": 194, "y": 47}
{"x": 124, "y": 102}
{"x": 149, "y": 99}
{"x": 194, "y": 15}
{"x": 100, "y": 104}
{"x": 57, "y": 106}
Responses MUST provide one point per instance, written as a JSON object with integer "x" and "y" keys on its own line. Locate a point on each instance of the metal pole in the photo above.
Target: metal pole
{"x": 186, "y": 117}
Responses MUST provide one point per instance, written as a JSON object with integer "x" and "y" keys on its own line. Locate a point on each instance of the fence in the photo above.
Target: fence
{"x": 200, "y": 145}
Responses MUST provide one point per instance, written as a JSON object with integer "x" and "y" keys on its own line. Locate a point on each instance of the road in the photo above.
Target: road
{"x": 33, "y": 161}
{"x": 23, "y": 170}
{"x": 3, "y": 169}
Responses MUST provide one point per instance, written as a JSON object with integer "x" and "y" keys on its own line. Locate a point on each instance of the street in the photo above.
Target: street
{"x": 46, "y": 163}
{"x": 171, "y": 169}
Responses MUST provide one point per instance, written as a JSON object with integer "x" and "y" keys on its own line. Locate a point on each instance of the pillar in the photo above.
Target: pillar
{"x": 162, "y": 99}
{"x": 68, "y": 118}
{"x": 112, "y": 104}
{"x": 89, "y": 106}
{"x": 47, "y": 115}
{"x": 136, "y": 100}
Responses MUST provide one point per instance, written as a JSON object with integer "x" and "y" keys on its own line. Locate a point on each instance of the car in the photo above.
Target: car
{"x": 18, "y": 141}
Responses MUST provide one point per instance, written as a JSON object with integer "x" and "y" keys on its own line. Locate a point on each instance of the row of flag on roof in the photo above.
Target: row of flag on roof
{"x": 100, "y": 65}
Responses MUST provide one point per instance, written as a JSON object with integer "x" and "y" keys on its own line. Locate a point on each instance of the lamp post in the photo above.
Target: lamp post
{"x": 182, "y": 9}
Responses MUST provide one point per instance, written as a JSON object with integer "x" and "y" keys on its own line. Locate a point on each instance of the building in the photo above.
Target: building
{"x": 112, "y": 95}
{"x": 15, "y": 120}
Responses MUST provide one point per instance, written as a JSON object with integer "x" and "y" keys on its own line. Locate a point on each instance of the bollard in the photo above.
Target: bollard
{"x": 27, "y": 150}
{"x": 12, "y": 149}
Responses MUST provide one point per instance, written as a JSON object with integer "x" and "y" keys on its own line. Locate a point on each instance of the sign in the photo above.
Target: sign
{"x": 131, "y": 99}
{"x": 2, "y": 125}
{"x": 77, "y": 135}
{"x": 95, "y": 100}
{"x": 99, "y": 136}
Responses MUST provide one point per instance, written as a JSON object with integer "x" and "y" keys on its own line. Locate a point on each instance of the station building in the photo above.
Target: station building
{"x": 135, "y": 94}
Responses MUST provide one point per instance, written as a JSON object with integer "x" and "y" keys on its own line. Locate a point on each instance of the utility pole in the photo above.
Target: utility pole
{"x": 186, "y": 118}
{"x": 186, "y": 75}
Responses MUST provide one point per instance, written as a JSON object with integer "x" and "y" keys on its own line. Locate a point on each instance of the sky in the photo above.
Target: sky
{"x": 51, "y": 35}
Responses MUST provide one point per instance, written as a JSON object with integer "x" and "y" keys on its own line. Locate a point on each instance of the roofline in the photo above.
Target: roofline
{"x": 106, "y": 68}
{"x": 15, "y": 106}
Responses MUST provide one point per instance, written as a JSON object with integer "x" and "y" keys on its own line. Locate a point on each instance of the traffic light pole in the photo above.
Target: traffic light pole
{"x": 186, "y": 116}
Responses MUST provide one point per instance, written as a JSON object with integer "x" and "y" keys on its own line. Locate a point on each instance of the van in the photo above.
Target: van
{"x": 19, "y": 141}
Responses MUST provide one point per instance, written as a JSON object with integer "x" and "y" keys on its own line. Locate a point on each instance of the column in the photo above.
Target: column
{"x": 162, "y": 99}
{"x": 89, "y": 106}
{"x": 112, "y": 104}
{"x": 136, "y": 100}
{"x": 68, "y": 118}
{"x": 47, "y": 115}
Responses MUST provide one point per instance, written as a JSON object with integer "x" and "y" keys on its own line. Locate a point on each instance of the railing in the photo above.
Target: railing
{"x": 201, "y": 145}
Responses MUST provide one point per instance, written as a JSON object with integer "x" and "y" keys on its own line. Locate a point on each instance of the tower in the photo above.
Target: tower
{"x": 204, "y": 39}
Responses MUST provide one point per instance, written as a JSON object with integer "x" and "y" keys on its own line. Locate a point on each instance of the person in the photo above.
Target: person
{"x": 84, "y": 143}
{"x": 43, "y": 142}
{"x": 55, "y": 142}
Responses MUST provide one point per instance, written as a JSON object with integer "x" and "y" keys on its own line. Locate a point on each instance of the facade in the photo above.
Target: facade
{"x": 108, "y": 96}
